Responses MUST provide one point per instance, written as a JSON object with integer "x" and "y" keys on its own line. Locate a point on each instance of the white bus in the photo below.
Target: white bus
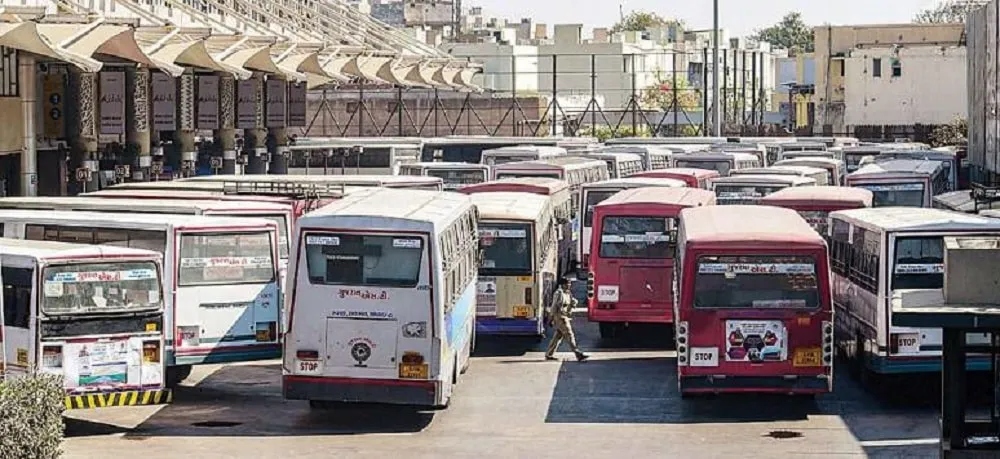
{"x": 654, "y": 157}
{"x": 520, "y": 248}
{"x": 271, "y": 181}
{"x": 352, "y": 155}
{"x": 721, "y": 162}
{"x": 221, "y": 276}
{"x": 821, "y": 176}
{"x": 91, "y": 315}
{"x": 832, "y": 154}
{"x": 383, "y": 299}
{"x": 901, "y": 182}
{"x": 454, "y": 175}
{"x": 470, "y": 148}
{"x": 507, "y": 155}
{"x": 852, "y": 156}
{"x": 874, "y": 253}
{"x": 835, "y": 169}
{"x": 948, "y": 158}
{"x": 753, "y": 149}
{"x": 666, "y": 141}
{"x": 595, "y": 193}
{"x": 620, "y": 165}
{"x": 748, "y": 189}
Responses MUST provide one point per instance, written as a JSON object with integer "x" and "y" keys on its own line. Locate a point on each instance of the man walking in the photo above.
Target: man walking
{"x": 561, "y": 314}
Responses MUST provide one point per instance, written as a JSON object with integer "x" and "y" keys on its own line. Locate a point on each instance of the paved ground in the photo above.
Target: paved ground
{"x": 623, "y": 403}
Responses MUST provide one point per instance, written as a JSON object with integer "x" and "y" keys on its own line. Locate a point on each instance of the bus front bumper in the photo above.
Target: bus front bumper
{"x": 814, "y": 384}
{"x": 123, "y": 398}
{"x": 497, "y": 326}
{"x": 359, "y": 390}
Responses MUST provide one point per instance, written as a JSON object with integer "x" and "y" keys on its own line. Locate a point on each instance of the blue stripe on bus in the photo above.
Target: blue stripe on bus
{"x": 226, "y": 356}
{"x": 494, "y": 326}
{"x": 458, "y": 318}
{"x": 883, "y": 365}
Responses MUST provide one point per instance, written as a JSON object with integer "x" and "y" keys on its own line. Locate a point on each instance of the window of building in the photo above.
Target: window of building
{"x": 877, "y": 68}
{"x": 9, "y": 85}
{"x": 842, "y": 66}
{"x": 897, "y": 68}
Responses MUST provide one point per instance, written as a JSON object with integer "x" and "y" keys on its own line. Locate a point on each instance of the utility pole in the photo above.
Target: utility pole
{"x": 716, "y": 112}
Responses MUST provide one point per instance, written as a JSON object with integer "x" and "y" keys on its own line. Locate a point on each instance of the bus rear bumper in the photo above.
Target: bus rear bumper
{"x": 518, "y": 327}
{"x": 814, "y": 384}
{"x": 358, "y": 390}
{"x": 635, "y": 316}
{"x": 123, "y": 398}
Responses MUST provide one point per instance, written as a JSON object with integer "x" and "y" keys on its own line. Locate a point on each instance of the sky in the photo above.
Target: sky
{"x": 740, "y": 17}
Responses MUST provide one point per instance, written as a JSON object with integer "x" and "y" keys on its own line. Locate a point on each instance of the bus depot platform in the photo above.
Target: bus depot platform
{"x": 967, "y": 310}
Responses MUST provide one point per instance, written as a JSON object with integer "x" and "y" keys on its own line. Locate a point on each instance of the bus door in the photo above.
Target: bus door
{"x": 227, "y": 307}
{"x": 18, "y": 318}
{"x": 761, "y": 320}
{"x": 100, "y": 328}
{"x": 367, "y": 298}
{"x": 508, "y": 301}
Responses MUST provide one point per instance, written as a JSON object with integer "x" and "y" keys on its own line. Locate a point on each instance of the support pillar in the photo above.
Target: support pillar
{"x": 256, "y": 138}
{"x": 83, "y": 157}
{"x": 185, "y": 133}
{"x": 225, "y": 136}
{"x": 187, "y": 151}
{"x": 276, "y": 96}
{"x": 279, "y": 150}
{"x": 138, "y": 134}
{"x": 29, "y": 154}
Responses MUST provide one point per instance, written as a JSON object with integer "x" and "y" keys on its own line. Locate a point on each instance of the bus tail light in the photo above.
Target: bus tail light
{"x": 682, "y": 343}
{"x": 527, "y": 295}
{"x": 590, "y": 285}
{"x": 52, "y": 357}
{"x": 894, "y": 343}
{"x": 307, "y": 355}
{"x": 827, "y": 343}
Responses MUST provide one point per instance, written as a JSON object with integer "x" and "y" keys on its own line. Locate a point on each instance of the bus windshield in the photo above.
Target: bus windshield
{"x": 896, "y": 195}
{"x": 722, "y": 167}
{"x": 595, "y": 197}
{"x": 100, "y": 287}
{"x": 226, "y": 258}
{"x": 757, "y": 282}
{"x": 854, "y": 160}
{"x": 744, "y": 194}
{"x": 638, "y": 237}
{"x": 454, "y": 178}
{"x": 919, "y": 263}
{"x": 364, "y": 260}
{"x": 527, "y": 174}
{"x": 506, "y": 249}
{"x": 282, "y": 233}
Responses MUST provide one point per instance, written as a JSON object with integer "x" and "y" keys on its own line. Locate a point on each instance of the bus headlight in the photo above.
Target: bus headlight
{"x": 682, "y": 343}
{"x": 827, "y": 344}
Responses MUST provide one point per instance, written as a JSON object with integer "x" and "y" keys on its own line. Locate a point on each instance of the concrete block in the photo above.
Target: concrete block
{"x": 972, "y": 270}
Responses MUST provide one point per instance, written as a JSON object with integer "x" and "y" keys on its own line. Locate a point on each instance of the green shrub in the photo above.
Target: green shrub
{"x": 31, "y": 423}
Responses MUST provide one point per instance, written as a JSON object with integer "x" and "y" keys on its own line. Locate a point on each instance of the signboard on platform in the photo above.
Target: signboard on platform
{"x": 164, "y": 102}
{"x": 297, "y": 104}
{"x": 112, "y": 102}
{"x": 246, "y": 104}
{"x": 207, "y": 102}
{"x": 276, "y": 106}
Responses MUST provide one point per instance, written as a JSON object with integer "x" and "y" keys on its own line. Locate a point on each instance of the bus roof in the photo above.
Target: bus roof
{"x": 567, "y": 162}
{"x": 617, "y": 155}
{"x": 360, "y": 141}
{"x": 867, "y": 149}
{"x": 529, "y": 150}
{"x": 779, "y": 170}
{"x": 390, "y": 209}
{"x": 180, "y": 206}
{"x": 510, "y": 206}
{"x": 635, "y": 182}
{"x": 346, "y": 180}
{"x": 916, "y": 219}
{"x": 537, "y": 185}
{"x": 747, "y": 225}
{"x": 818, "y": 145}
{"x": 685, "y": 197}
{"x": 820, "y": 195}
{"x": 790, "y": 180}
{"x": 49, "y": 250}
{"x": 920, "y": 154}
{"x": 133, "y": 220}
{"x": 897, "y": 166}
{"x": 810, "y": 161}
{"x": 444, "y": 165}
{"x": 715, "y": 156}
{"x": 665, "y": 140}
{"x": 636, "y": 149}
{"x": 680, "y": 171}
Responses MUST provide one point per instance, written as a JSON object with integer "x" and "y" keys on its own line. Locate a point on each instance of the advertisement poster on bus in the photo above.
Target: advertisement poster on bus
{"x": 486, "y": 296}
{"x": 756, "y": 341}
{"x": 98, "y": 363}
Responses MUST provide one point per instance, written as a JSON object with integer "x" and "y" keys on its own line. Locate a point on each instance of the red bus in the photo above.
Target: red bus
{"x": 814, "y": 203}
{"x": 695, "y": 178}
{"x": 754, "y": 313}
{"x": 633, "y": 248}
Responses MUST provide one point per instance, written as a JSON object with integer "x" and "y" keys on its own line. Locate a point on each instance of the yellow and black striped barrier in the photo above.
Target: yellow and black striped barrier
{"x": 128, "y": 398}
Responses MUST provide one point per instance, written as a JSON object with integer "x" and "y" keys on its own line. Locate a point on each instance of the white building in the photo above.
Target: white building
{"x": 505, "y": 67}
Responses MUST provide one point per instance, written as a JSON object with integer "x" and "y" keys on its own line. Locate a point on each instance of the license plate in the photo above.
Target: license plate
{"x": 413, "y": 371}
{"x": 808, "y": 357}
{"x": 522, "y": 311}
{"x": 264, "y": 335}
{"x": 309, "y": 367}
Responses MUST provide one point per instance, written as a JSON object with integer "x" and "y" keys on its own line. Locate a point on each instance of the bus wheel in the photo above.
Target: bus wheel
{"x": 176, "y": 374}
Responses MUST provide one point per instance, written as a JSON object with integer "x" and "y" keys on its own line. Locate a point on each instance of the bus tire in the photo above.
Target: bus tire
{"x": 176, "y": 374}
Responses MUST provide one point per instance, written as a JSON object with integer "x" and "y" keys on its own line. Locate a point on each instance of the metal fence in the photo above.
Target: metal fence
{"x": 607, "y": 95}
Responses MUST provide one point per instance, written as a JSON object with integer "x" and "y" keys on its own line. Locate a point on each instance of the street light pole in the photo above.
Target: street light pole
{"x": 716, "y": 112}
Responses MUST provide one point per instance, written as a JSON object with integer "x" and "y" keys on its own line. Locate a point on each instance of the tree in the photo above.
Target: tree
{"x": 791, "y": 33}
{"x": 637, "y": 21}
{"x": 950, "y": 11}
{"x": 953, "y": 133}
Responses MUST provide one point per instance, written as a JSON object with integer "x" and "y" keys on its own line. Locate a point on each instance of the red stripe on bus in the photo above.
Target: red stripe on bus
{"x": 359, "y": 381}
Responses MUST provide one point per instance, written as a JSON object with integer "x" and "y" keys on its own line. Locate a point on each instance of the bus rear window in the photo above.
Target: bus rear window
{"x": 282, "y": 233}
{"x": 722, "y": 167}
{"x": 364, "y": 260}
{"x": 454, "y": 178}
{"x": 594, "y": 198}
{"x": 638, "y": 237}
{"x": 506, "y": 249}
{"x": 756, "y": 282}
{"x": 743, "y": 194}
{"x": 233, "y": 258}
{"x": 100, "y": 287}
{"x": 896, "y": 195}
{"x": 526, "y": 174}
{"x": 919, "y": 263}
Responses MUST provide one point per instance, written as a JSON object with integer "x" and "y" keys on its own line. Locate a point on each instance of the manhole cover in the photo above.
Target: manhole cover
{"x": 216, "y": 424}
{"x": 783, "y": 434}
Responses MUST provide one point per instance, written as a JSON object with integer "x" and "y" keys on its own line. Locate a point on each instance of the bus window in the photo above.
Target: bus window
{"x": 506, "y": 249}
{"x": 637, "y": 237}
{"x": 919, "y": 263}
{"x": 363, "y": 260}
{"x": 757, "y": 282}
{"x": 100, "y": 287}
{"x": 897, "y": 195}
{"x": 722, "y": 167}
{"x": 17, "y": 297}
{"x": 225, "y": 259}
{"x": 595, "y": 197}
